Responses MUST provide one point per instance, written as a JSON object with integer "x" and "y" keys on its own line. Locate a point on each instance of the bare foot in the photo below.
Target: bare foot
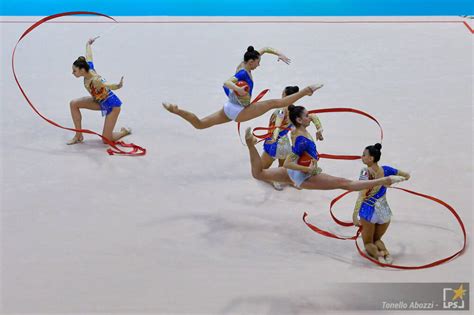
{"x": 313, "y": 88}
{"x": 125, "y": 131}
{"x": 172, "y": 108}
{"x": 389, "y": 259}
{"x": 249, "y": 137}
{"x": 122, "y": 133}
{"x": 77, "y": 139}
{"x": 278, "y": 186}
{"x": 378, "y": 256}
{"x": 381, "y": 260}
{"x": 116, "y": 136}
{"x": 394, "y": 179}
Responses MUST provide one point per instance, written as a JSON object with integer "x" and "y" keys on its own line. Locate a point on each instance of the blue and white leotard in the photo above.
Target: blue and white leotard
{"x": 374, "y": 208}
{"x": 305, "y": 149}
{"x": 235, "y": 105}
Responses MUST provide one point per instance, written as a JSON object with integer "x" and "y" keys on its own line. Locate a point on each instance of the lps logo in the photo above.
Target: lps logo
{"x": 453, "y": 299}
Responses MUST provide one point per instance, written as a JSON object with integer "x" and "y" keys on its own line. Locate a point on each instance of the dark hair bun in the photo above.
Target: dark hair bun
{"x": 291, "y": 90}
{"x": 251, "y": 54}
{"x": 378, "y": 146}
{"x": 81, "y": 63}
{"x": 295, "y": 112}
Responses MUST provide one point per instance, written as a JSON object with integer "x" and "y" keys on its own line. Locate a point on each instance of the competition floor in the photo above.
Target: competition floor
{"x": 186, "y": 229}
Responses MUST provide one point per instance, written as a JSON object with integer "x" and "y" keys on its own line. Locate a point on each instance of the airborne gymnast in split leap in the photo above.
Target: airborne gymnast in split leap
{"x": 300, "y": 167}
{"x": 239, "y": 92}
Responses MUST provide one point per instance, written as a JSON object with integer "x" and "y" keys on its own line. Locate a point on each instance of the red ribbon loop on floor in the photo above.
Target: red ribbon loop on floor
{"x": 359, "y": 231}
{"x": 135, "y": 149}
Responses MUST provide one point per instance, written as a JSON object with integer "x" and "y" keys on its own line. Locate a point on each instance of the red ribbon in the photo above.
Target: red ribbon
{"x": 135, "y": 151}
{"x": 359, "y": 231}
{"x": 344, "y": 110}
{"x": 325, "y": 110}
{"x": 268, "y": 134}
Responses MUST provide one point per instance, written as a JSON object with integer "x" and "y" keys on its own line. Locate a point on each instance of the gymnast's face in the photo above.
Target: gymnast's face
{"x": 304, "y": 119}
{"x": 77, "y": 72}
{"x": 367, "y": 159}
{"x": 253, "y": 63}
